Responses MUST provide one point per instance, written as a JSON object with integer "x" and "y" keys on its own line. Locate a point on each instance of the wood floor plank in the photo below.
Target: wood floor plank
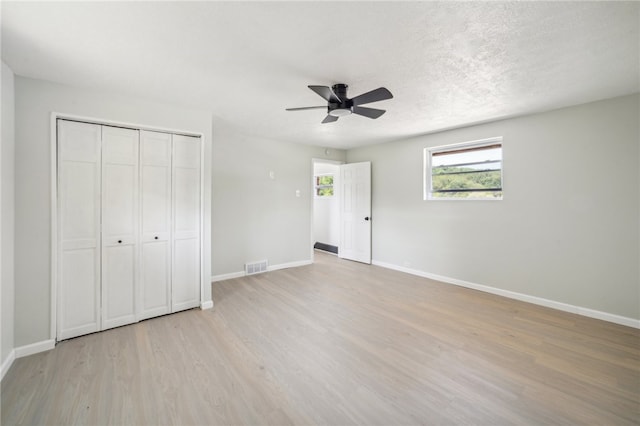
{"x": 337, "y": 343}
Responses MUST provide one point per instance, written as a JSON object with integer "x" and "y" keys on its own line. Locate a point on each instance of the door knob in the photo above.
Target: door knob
{"x": 155, "y": 238}
{"x": 366, "y": 218}
{"x": 119, "y": 241}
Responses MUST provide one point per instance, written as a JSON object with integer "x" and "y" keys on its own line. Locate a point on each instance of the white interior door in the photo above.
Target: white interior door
{"x": 119, "y": 225}
{"x": 355, "y": 212}
{"x": 185, "y": 283}
{"x": 155, "y": 224}
{"x": 79, "y": 177}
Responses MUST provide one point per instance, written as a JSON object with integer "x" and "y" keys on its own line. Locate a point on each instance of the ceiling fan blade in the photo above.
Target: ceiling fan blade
{"x": 303, "y": 108}
{"x": 379, "y": 94}
{"x": 326, "y": 93}
{"x": 329, "y": 119}
{"x": 368, "y": 112}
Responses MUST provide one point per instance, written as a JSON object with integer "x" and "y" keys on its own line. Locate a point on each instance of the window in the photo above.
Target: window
{"x": 471, "y": 170}
{"x": 324, "y": 186}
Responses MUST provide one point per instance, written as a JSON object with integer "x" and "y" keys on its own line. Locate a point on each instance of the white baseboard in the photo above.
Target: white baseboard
{"x": 206, "y": 305}
{"x": 7, "y": 363}
{"x": 228, "y": 276}
{"x": 23, "y": 351}
{"x": 239, "y": 274}
{"x": 587, "y": 312}
{"x": 289, "y": 265}
{"x": 35, "y": 348}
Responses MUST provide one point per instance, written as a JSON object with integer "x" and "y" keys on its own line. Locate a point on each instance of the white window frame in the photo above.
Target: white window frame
{"x": 316, "y": 186}
{"x": 427, "y": 173}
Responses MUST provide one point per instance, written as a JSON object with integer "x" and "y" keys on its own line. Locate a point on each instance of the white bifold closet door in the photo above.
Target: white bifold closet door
{"x": 170, "y": 195}
{"x": 119, "y": 225}
{"x": 129, "y": 223}
{"x": 79, "y": 259}
{"x": 155, "y": 235}
{"x": 185, "y": 292}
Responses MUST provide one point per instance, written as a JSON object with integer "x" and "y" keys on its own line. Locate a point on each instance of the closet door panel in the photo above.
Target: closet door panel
{"x": 119, "y": 200}
{"x": 186, "y": 216}
{"x": 186, "y": 288}
{"x": 79, "y": 170}
{"x": 120, "y": 284}
{"x": 186, "y": 151}
{"x": 187, "y": 199}
{"x": 155, "y": 193}
{"x": 79, "y": 273}
{"x": 156, "y": 199}
{"x": 80, "y": 215}
{"x": 156, "y": 290}
{"x": 119, "y": 226}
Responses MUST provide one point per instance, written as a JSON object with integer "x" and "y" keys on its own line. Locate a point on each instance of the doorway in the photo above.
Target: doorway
{"x": 325, "y": 229}
{"x": 341, "y": 209}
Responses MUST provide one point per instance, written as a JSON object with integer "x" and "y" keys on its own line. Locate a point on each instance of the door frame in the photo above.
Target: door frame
{"x": 312, "y": 192}
{"x": 55, "y": 116}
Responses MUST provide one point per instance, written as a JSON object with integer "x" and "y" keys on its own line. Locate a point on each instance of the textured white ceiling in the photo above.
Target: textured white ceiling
{"x": 447, "y": 63}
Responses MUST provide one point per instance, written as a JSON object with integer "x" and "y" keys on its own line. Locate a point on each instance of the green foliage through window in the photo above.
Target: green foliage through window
{"x": 324, "y": 186}
{"x": 471, "y": 171}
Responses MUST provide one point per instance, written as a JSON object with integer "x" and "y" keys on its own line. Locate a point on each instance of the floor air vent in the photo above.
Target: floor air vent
{"x": 255, "y": 267}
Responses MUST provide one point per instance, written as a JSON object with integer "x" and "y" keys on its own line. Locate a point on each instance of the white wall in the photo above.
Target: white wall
{"x": 567, "y": 229}
{"x": 326, "y": 210}
{"x": 35, "y": 101}
{"x": 256, "y": 217}
{"x": 7, "y": 216}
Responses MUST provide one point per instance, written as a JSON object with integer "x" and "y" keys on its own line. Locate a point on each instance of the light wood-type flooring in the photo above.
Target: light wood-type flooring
{"x": 338, "y": 343}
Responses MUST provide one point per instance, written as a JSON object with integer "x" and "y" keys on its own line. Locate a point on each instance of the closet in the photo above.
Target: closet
{"x": 129, "y": 219}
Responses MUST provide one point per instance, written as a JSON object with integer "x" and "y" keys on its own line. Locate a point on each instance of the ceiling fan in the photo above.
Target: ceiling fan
{"x": 339, "y": 105}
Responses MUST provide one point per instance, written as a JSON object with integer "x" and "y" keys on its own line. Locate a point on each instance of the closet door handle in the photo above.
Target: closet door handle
{"x": 119, "y": 241}
{"x": 155, "y": 238}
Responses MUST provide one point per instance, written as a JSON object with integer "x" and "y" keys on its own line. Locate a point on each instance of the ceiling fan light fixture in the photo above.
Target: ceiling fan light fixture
{"x": 340, "y": 112}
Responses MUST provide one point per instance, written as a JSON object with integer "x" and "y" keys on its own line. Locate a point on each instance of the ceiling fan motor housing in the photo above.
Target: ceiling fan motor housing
{"x": 340, "y": 90}
{"x": 345, "y": 107}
